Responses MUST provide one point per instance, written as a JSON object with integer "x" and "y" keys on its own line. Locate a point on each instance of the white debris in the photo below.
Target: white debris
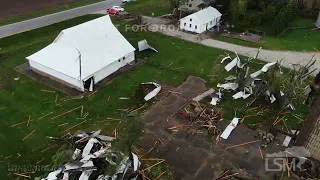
{"x": 105, "y": 138}
{"x": 88, "y": 147}
{"x": 123, "y": 98}
{"x": 291, "y": 106}
{"x": 238, "y": 95}
{"x": 232, "y": 64}
{"x": 203, "y": 95}
{"x": 230, "y": 128}
{"x": 143, "y": 45}
{"x": 53, "y": 175}
{"x": 16, "y": 79}
{"x": 85, "y": 175}
{"x": 255, "y": 74}
{"x": 76, "y": 154}
{"x": 65, "y": 176}
{"x": 272, "y": 98}
{"x": 231, "y": 77}
{"x": 281, "y": 93}
{"x": 268, "y": 93}
{"x": 154, "y": 92}
{"x": 225, "y": 58}
{"x": 214, "y": 101}
{"x": 136, "y": 162}
{"x": 228, "y": 86}
{"x": 288, "y": 139}
{"x": 266, "y": 67}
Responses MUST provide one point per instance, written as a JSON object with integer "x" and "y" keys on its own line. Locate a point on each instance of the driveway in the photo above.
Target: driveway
{"x": 16, "y": 28}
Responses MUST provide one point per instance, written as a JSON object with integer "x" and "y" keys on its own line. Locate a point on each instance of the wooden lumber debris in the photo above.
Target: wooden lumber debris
{"x": 231, "y": 175}
{"x": 92, "y": 93}
{"x": 242, "y": 144}
{"x": 160, "y": 175}
{"x": 67, "y": 112}
{"x": 8, "y": 157}
{"x": 56, "y": 98}
{"x": 28, "y": 122}
{"x": 22, "y": 175}
{"x": 20, "y": 123}
{"x": 40, "y": 161}
{"x": 48, "y": 148}
{"x": 148, "y": 168}
{"x": 28, "y": 135}
{"x": 45, "y": 115}
{"x": 261, "y": 153}
{"x": 74, "y": 126}
{"x": 139, "y": 108}
{"x": 48, "y": 91}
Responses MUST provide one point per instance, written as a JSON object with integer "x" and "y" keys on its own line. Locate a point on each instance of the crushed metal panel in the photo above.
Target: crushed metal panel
{"x": 53, "y": 175}
{"x": 76, "y": 154}
{"x": 88, "y": 147}
{"x": 154, "y": 92}
{"x": 143, "y": 45}
{"x": 255, "y": 74}
{"x": 228, "y": 86}
{"x": 225, "y": 58}
{"x": 105, "y": 138}
{"x": 230, "y": 78}
{"x": 232, "y": 64}
{"x": 230, "y": 128}
{"x": 136, "y": 163}
{"x": 85, "y": 175}
{"x": 267, "y": 66}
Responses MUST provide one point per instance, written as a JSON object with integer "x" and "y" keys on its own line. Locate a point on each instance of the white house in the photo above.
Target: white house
{"x": 83, "y": 55}
{"x": 201, "y": 21}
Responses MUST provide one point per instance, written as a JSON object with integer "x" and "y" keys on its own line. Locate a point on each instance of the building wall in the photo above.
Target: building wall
{"x": 191, "y": 5}
{"x": 55, "y": 75}
{"x": 309, "y": 135}
{"x": 194, "y": 26}
{"x": 113, "y": 67}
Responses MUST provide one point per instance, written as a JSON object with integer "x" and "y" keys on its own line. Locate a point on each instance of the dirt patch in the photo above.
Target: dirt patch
{"x": 13, "y": 8}
{"x": 197, "y": 156}
{"x": 243, "y": 36}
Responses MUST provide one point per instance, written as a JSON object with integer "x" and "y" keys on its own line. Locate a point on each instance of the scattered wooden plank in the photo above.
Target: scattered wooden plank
{"x": 152, "y": 159}
{"x": 22, "y": 175}
{"x": 28, "y": 122}
{"x": 108, "y": 98}
{"x": 63, "y": 124}
{"x": 48, "y": 91}
{"x": 261, "y": 153}
{"x": 48, "y": 148}
{"x": 56, "y": 98}
{"x": 92, "y": 93}
{"x": 228, "y": 176}
{"x": 67, "y": 112}
{"x": 19, "y": 123}
{"x": 45, "y": 115}
{"x": 40, "y": 160}
{"x": 160, "y": 175}
{"x": 28, "y": 135}
{"x": 8, "y": 157}
{"x": 148, "y": 168}
{"x": 139, "y": 108}
{"x": 242, "y": 144}
{"x": 75, "y": 126}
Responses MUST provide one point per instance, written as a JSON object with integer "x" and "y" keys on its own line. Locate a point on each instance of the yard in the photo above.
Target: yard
{"x": 147, "y": 7}
{"x": 23, "y": 98}
{"x": 292, "y": 40}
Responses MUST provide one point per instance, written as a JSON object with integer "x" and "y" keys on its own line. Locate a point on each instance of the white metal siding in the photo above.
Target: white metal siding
{"x": 200, "y": 27}
{"x": 55, "y": 74}
{"x": 113, "y": 67}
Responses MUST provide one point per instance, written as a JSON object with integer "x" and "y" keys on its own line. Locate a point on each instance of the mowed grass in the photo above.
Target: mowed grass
{"x": 46, "y": 11}
{"x": 292, "y": 40}
{"x": 147, "y": 7}
{"x": 23, "y": 98}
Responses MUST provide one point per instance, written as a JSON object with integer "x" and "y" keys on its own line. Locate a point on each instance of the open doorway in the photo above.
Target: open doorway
{"x": 88, "y": 84}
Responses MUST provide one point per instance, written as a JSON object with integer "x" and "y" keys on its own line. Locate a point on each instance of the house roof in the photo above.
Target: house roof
{"x": 98, "y": 41}
{"x": 204, "y": 15}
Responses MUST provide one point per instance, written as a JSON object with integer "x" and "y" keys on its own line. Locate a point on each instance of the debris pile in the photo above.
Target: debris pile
{"x": 266, "y": 137}
{"x": 269, "y": 82}
{"x": 202, "y": 114}
{"x": 91, "y": 156}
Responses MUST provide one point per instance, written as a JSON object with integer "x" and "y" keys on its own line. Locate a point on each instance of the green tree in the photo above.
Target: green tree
{"x": 284, "y": 17}
{"x": 238, "y": 9}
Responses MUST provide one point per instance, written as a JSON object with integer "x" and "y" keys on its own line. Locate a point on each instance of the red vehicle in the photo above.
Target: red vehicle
{"x": 112, "y": 11}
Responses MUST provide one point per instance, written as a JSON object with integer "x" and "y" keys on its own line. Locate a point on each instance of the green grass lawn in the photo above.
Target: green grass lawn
{"x": 147, "y": 7}
{"x": 292, "y": 40}
{"x": 22, "y": 98}
{"x": 22, "y": 17}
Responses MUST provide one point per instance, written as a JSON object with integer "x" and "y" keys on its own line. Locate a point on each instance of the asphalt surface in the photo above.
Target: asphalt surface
{"x": 16, "y": 28}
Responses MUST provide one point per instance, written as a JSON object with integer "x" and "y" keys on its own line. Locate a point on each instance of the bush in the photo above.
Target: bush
{"x": 253, "y": 18}
{"x": 283, "y": 18}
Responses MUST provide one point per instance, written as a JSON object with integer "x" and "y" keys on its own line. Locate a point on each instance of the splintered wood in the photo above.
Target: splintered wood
{"x": 48, "y": 91}
{"x": 242, "y": 144}
{"x": 74, "y": 126}
{"x": 28, "y": 135}
{"x": 202, "y": 116}
{"x": 45, "y": 115}
{"x": 67, "y": 112}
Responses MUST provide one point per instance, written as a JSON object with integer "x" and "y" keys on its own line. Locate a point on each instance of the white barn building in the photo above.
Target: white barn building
{"x": 201, "y": 21}
{"x": 83, "y": 55}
